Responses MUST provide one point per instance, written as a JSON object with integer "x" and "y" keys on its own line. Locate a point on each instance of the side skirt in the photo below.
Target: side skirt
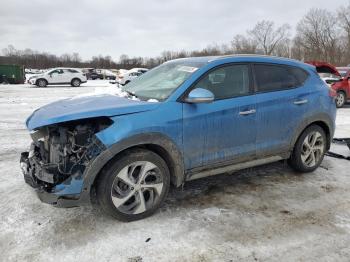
{"x": 232, "y": 167}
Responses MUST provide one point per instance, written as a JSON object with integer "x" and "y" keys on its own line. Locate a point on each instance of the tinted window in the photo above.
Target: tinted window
{"x": 299, "y": 74}
{"x": 271, "y": 77}
{"x": 57, "y": 71}
{"x": 226, "y": 82}
{"x": 72, "y": 71}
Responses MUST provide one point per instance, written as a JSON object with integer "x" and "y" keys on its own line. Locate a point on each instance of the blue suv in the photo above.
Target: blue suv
{"x": 185, "y": 119}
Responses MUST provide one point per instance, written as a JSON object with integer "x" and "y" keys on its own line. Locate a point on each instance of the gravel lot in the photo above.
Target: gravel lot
{"x": 268, "y": 213}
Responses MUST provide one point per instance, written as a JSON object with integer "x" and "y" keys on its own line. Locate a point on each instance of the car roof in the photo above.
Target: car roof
{"x": 65, "y": 68}
{"x": 248, "y": 58}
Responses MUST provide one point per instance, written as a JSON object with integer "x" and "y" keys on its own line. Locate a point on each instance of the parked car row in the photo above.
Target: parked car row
{"x": 93, "y": 74}
{"x": 127, "y": 76}
{"x": 75, "y": 77}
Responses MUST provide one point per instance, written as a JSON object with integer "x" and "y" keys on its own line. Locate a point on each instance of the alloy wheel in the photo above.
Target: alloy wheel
{"x": 42, "y": 83}
{"x": 137, "y": 187}
{"x": 76, "y": 82}
{"x": 312, "y": 149}
{"x": 340, "y": 99}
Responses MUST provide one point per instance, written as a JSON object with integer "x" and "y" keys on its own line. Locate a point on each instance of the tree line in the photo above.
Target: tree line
{"x": 319, "y": 35}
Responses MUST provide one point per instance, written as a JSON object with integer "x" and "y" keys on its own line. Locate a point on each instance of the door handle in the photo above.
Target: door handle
{"x": 244, "y": 113}
{"x": 300, "y": 102}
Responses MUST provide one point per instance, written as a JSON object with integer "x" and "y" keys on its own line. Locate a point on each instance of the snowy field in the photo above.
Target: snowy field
{"x": 268, "y": 213}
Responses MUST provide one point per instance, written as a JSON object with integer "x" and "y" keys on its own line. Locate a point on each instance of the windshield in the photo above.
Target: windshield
{"x": 161, "y": 81}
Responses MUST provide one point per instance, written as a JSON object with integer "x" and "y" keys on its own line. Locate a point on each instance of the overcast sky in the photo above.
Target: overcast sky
{"x": 139, "y": 28}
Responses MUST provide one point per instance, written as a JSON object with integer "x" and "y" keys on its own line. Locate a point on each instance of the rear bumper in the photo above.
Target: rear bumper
{"x": 61, "y": 195}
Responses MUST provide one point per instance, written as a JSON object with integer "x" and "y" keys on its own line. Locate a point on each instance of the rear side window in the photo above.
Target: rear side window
{"x": 299, "y": 74}
{"x": 276, "y": 77}
{"x": 72, "y": 71}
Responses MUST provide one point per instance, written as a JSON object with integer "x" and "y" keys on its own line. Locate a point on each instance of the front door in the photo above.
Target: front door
{"x": 223, "y": 130}
{"x": 56, "y": 77}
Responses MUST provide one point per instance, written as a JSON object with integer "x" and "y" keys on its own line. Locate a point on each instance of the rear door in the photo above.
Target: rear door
{"x": 225, "y": 129}
{"x": 281, "y": 104}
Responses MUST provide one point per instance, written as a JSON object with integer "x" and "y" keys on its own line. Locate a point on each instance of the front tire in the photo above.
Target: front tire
{"x": 75, "y": 82}
{"x": 134, "y": 185}
{"x": 340, "y": 99}
{"x": 309, "y": 150}
{"x": 41, "y": 83}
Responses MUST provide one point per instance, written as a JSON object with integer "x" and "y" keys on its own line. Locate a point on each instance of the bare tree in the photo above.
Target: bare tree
{"x": 267, "y": 37}
{"x": 243, "y": 45}
{"x": 317, "y": 34}
{"x": 344, "y": 22}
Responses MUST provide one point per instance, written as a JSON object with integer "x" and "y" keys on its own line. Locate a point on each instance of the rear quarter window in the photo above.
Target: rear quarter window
{"x": 299, "y": 74}
{"x": 278, "y": 77}
{"x": 72, "y": 71}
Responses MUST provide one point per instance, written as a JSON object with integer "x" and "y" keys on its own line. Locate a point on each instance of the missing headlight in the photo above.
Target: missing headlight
{"x": 62, "y": 150}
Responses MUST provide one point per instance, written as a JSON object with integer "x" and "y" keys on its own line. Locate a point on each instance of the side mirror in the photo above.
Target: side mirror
{"x": 199, "y": 95}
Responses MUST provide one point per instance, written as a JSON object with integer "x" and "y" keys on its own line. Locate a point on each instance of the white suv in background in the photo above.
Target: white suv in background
{"x": 58, "y": 76}
{"x": 125, "y": 78}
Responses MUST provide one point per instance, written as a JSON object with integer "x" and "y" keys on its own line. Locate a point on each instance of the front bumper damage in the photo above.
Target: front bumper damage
{"x": 56, "y": 163}
{"x": 66, "y": 194}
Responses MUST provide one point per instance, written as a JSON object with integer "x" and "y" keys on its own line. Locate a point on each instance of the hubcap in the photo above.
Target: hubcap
{"x": 137, "y": 187}
{"x": 75, "y": 82}
{"x": 340, "y": 99}
{"x": 312, "y": 149}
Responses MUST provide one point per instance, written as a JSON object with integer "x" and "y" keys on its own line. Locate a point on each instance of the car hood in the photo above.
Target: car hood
{"x": 36, "y": 75}
{"x": 324, "y": 67}
{"x": 86, "y": 107}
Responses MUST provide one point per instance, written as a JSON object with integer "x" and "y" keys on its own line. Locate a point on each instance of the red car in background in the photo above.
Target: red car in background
{"x": 340, "y": 82}
{"x": 343, "y": 89}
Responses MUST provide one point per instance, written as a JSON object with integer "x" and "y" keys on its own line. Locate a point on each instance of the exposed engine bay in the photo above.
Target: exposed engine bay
{"x": 59, "y": 152}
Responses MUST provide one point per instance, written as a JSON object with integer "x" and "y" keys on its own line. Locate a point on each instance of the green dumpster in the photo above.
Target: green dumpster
{"x": 12, "y": 74}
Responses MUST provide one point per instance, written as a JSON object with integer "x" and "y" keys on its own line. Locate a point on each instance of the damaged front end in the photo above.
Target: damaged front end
{"x": 58, "y": 157}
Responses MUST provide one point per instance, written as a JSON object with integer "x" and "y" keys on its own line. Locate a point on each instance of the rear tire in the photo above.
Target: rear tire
{"x": 75, "y": 82}
{"x": 309, "y": 150}
{"x": 340, "y": 99}
{"x": 134, "y": 185}
{"x": 41, "y": 83}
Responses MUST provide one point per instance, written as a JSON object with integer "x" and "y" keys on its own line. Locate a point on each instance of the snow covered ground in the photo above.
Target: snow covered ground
{"x": 268, "y": 213}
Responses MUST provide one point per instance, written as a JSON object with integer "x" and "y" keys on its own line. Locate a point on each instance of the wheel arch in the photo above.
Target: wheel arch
{"x": 342, "y": 90}
{"x": 155, "y": 142}
{"x": 74, "y": 79}
{"x": 41, "y": 78}
{"x": 323, "y": 121}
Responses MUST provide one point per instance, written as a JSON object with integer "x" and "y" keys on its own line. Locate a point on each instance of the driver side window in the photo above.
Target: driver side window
{"x": 227, "y": 82}
{"x": 57, "y": 71}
